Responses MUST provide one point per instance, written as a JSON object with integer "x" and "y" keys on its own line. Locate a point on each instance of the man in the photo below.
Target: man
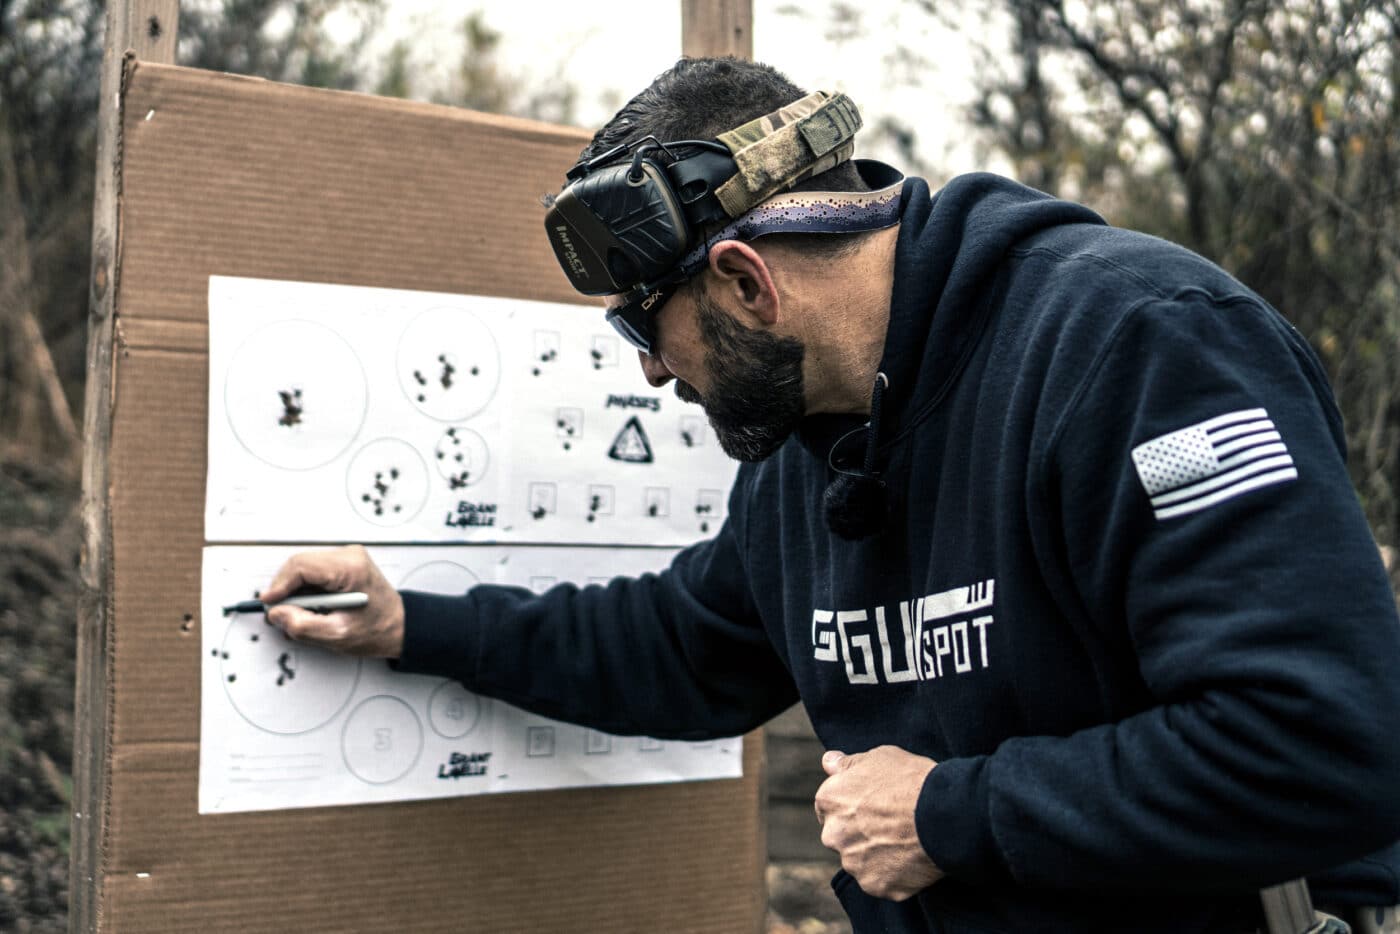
{"x": 1047, "y": 525}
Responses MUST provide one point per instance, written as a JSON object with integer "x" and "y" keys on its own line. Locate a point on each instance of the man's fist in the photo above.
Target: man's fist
{"x": 866, "y": 808}
{"x": 374, "y": 630}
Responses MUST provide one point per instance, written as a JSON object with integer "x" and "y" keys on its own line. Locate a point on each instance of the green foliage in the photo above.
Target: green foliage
{"x": 39, "y": 540}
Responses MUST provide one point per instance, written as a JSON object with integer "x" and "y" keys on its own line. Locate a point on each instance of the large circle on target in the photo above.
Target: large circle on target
{"x": 279, "y": 685}
{"x": 448, "y": 364}
{"x": 295, "y": 395}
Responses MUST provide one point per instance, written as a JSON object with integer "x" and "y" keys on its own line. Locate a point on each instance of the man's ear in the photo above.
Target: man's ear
{"x": 740, "y": 273}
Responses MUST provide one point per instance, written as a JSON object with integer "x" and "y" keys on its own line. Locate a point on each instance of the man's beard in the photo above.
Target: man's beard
{"x": 756, "y": 398}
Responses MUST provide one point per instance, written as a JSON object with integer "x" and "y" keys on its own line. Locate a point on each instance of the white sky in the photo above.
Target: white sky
{"x": 610, "y": 49}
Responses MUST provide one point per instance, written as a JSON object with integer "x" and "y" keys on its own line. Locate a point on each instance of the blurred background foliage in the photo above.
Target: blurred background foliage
{"x": 1264, "y": 135}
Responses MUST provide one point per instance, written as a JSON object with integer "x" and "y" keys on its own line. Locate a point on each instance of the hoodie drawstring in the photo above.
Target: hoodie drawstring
{"x": 855, "y": 502}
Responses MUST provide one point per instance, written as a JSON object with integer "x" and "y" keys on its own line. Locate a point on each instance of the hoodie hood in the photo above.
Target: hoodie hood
{"x": 951, "y": 246}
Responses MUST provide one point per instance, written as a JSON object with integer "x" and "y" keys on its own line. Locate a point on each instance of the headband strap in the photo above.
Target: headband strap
{"x": 811, "y": 135}
{"x": 812, "y": 212}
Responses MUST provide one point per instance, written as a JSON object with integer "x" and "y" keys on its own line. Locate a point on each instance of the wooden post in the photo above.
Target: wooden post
{"x": 717, "y": 27}
{"x": 711, "y": 28}
{"x": 146, "y": 30}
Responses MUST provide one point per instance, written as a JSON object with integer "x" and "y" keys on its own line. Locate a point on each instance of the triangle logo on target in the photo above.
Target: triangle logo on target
{"x": 631, "y": 444}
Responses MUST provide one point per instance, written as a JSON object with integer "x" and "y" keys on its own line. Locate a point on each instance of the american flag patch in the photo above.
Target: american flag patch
{"x": 1210, "y": 462}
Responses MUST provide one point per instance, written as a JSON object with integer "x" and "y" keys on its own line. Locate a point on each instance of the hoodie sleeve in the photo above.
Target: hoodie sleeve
{"x": 677, "y": 655}
{"x": 1202, "y": 505}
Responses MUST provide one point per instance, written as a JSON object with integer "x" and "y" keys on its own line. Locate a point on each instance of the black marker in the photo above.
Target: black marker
{"x": 316, "y": 602}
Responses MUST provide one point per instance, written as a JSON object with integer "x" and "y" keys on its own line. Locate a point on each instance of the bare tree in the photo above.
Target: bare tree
{"x": 1264, "y": 135}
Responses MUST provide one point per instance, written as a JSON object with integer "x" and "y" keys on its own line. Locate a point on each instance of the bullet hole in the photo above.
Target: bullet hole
{"x": 154, "y": 30}
{"x": 291, "y": 407}
{"x": 591, "y": 517}
{"x": 549, "y": 355}
{"x": 688, "y": 438}
{"x": 215, "y": 653}
{"x": 536, "y": 371}
{"x": 253, "y": 637}
{"x": 652, "y": 509}
{"x": 187, "y": 624}
{"x": 233, "y": 677}
{"x": 224, "y": 656}
{"x": 476, "y": 371}
{"x": 568, "y": 446}
{"x": 538, "y": 512}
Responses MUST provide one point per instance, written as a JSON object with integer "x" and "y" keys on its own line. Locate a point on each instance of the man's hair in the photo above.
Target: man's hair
{"x": 700, "y": 98}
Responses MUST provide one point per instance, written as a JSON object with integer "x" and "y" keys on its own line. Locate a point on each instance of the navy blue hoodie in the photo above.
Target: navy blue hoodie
{"x": 1126, "y": 597}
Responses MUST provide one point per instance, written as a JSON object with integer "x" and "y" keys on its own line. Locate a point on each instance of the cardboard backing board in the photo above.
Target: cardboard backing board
{"x": 237, "y": 176}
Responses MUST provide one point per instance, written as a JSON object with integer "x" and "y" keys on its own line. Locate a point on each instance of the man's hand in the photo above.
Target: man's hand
{"x": 866, "y": 809}
{"x": 373, "y": 630}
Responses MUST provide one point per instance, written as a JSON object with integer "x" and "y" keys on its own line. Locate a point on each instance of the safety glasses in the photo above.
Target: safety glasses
{"x": 635, "y": 318}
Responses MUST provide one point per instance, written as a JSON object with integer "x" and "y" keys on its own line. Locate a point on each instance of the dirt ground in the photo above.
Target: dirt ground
{"x": 40, "y": 536}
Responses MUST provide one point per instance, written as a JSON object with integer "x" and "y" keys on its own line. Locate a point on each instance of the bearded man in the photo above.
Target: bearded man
{"x": 1045, "y": 522}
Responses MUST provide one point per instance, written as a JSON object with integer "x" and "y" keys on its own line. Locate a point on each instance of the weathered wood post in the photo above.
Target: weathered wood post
{"x": 146, "y": 30}
{"x": 717, "y": 27}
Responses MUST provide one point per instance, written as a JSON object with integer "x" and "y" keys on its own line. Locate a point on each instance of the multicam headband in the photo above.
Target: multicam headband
{"x": 774, "y": 152}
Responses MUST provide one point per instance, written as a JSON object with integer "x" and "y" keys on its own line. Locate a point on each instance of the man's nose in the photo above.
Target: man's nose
{"x": 654, "y": 370}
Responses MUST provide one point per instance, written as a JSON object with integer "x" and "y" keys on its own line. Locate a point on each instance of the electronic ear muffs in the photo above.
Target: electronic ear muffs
{"x": 628, "y": 221}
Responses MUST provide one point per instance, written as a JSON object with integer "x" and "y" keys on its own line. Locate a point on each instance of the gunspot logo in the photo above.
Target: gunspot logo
{"x": 940, "y": 635}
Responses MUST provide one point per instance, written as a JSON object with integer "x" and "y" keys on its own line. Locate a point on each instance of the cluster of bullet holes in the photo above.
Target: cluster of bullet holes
{"x": 445, "y": 377}
{"x": 568, "y": 424}
{"x": 285, "y": 671}
{"x": 460, "y": 476}
{"x": 291, "y": 407}
{"x": 704, "y": 510}
{"x": 543, "y": 499}
{"x": 546, "y": 356}
{"x": 377, "y": 496}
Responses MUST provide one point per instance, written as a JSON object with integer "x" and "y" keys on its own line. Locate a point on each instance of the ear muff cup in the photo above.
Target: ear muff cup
{"x": 644, "y": 217}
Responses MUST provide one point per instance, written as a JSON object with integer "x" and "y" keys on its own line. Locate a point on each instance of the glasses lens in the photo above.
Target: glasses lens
{"x": 623, "y": 326}
{"x": 635, "y": 318}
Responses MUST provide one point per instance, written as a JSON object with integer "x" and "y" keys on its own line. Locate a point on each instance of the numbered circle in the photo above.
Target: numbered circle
{"x": 448, "y": 364}
{"x": 444, "y": 577}
{"x": 453, "y": 711}
{"x": 279, "y": 685}
{"x": 387, "y": 482}
{"x": 295, "y": 395}
{"x": 381, "y": 740}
